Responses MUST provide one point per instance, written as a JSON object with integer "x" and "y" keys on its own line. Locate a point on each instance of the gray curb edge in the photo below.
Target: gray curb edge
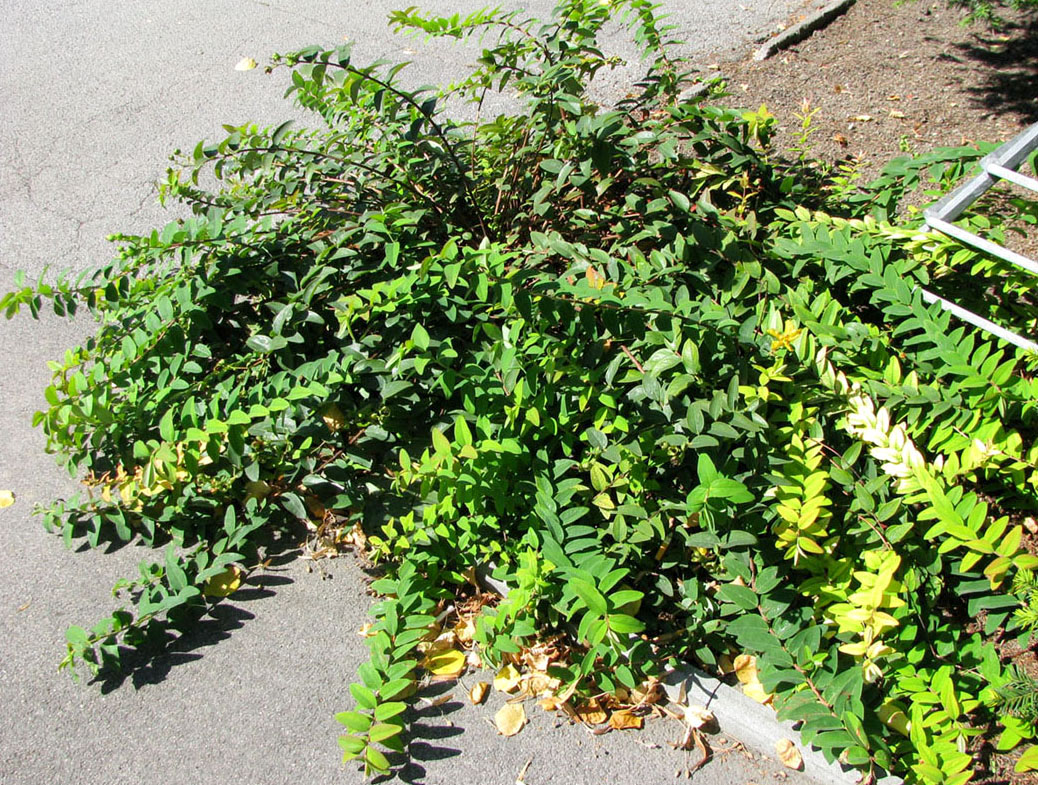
{"x": 802, "y": 30}
{"x": 754, "y": 724}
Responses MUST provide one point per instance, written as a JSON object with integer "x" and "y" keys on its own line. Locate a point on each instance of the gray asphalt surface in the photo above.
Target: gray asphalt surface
{"x": 93, "y": 97}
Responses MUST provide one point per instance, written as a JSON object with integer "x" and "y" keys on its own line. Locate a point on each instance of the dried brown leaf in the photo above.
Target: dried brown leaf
{"x": 478, "y": 693}
{"x": 697, "y": 716}
{"x": 510, "y": 719}
{"x": 624, "y": 719}
{"x": 591, "y": 713}
{"x": 789, "y": 754}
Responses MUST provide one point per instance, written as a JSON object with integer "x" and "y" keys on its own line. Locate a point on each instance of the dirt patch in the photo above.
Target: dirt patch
{"x": 893, "y": 78}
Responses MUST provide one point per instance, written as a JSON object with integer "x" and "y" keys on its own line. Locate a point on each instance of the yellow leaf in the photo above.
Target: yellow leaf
{"x": 447, "y": 663}
{"x": 478, "y": 693}
{"x": 223, "y": 584}
{"x": 550, "y": 704}
{"x": 245, "y": 64}
{"x": 507, "y": 679}
{"x": 745, "y": 667}
{"x": 625, "y": 718}
{"x": 789, "y": 754}
{"x": 6, "y": 499}
{"x": 756, "y": 691}
{"x": 333, "y": 417}
{"x": 746, "y": 671}
{"x": 510, "y": 719}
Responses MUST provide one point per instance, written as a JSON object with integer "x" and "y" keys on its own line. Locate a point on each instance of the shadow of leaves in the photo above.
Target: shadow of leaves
{"x": 1009, "y": 65}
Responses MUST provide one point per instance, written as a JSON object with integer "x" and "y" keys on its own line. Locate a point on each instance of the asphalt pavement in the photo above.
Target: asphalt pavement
{"x": 93, "y": 98}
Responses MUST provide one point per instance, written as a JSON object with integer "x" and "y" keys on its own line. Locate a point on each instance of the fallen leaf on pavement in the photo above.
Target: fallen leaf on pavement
{"x": 510, "y": 719}
{"x": 591, "y": 713}
{"x": 478, "y": 693}
{"x": 789, "y": 754}
{"x": 245, "y": 64}
{"x": 624, "y": 719}
{"x": 6, "y": 499}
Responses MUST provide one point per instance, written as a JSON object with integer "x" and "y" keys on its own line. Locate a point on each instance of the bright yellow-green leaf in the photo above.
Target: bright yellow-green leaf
{"x": 996, "y": 570}
{"x": 6, "y": 499}
{"x": 1029, "y": 760}
{"x": 223, "y": 584}
{"x": 440, "y": 442}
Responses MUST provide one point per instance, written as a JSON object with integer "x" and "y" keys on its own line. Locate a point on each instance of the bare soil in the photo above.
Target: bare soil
{"x": 889, "y": 78}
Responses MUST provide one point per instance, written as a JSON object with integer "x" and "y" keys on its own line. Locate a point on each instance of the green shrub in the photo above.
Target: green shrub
{"x": 681, "y": 398}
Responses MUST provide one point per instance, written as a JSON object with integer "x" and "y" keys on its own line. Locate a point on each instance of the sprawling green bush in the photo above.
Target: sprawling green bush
{"x": 682, "y": 399}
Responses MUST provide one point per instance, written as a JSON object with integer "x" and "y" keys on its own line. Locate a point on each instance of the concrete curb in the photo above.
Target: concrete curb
{"x": 754, "y": 724}
{"x": 802, "y": 30}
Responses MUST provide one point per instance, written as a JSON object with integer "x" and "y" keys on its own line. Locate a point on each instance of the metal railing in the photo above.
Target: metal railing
{"x": 1000, "y": 165}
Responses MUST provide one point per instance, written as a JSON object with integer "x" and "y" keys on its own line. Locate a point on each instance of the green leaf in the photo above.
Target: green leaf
{"x": 294, "y": 505}
{"x": 420, "y": 337}
{"x": 1028, "y": 761}
{"x": 742, "y": 596}
{"x": 385, "y": 711}
{"x": 365, "y": 697}
{"x": 259, "y": 343}
{"x": 590, "y": 595}
{"x": 376, "y": 759}
{"x": 393, "y": 688}
{"x": 356, "y": 722}
{"x": 441, "y": 444}
{"x": 624, "y": 624}
{"x": 166, "y": 430}
{"x": 383, "y": 731}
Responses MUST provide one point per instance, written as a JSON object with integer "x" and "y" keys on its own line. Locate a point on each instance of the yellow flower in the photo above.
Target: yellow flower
{"x": 784, "y": 339}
